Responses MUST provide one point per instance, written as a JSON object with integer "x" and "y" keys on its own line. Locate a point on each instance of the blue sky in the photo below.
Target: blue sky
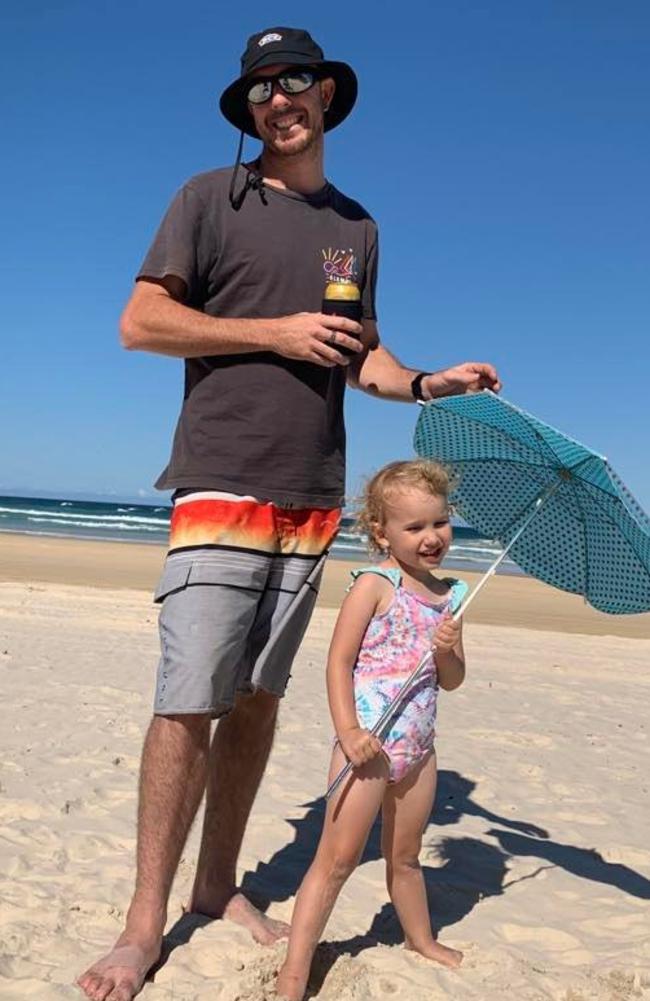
{"x": 503, "y": 147}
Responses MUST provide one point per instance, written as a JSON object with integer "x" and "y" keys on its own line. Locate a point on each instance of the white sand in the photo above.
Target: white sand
{"x": 550, "y": 732}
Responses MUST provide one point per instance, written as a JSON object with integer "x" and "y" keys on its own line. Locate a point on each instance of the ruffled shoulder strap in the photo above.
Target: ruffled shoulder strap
{"x": 392, "y": 574}
{"x": 459, "y": 591}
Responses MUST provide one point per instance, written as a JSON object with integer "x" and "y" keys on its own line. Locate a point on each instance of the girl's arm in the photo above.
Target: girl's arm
{"x": 450, "y": 656}
{"x": 359, "y": 606}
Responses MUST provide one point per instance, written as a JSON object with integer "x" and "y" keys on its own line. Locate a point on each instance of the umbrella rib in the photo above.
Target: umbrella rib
{"x": 578, "y": 502}
{"x": 526, "y": 468}
{"x": 547, "y": 466}
{"x": 596, "y": 486}
{"x": 608, "y": 517}
{"x": 512, "y": 462}
{"x": 482, "y": 424}
{"x": 544, "y": 449}
{"x": 530, "y": 417}
{"x": 492, "y": 458}
{"x": 503, "y": 536}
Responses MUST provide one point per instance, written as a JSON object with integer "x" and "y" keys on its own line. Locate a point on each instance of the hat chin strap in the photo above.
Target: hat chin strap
{"x": 231, "y": 192}
{"x": 254, "y": 181}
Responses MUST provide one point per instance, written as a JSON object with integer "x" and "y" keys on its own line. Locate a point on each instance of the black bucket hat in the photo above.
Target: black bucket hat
{"x": 289, "y": 47}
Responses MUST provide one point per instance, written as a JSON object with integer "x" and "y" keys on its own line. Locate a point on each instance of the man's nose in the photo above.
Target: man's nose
{"x": 278, "y": 97}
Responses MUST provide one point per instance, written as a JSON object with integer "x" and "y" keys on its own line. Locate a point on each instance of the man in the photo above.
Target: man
{"x": 233, "y": 284}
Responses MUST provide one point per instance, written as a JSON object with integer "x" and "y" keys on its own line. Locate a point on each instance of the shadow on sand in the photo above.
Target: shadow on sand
{"x": 280, "y": 877}
{"x": 467, "y": 870}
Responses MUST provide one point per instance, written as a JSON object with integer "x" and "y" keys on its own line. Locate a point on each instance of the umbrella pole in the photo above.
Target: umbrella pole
{"x": 460, "y": 611}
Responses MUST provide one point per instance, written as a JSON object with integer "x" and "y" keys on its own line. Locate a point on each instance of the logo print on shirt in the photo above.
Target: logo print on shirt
{"x": 270, "y": 38}
{"x": 340, "y": 265}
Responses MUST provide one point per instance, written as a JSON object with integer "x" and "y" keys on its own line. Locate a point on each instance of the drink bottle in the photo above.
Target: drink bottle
{"x": 342, "y": 299}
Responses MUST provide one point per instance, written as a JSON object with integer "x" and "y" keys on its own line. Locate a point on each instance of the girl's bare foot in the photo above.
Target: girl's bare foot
{"x": 291, "y": 986}
{"x": 238, "y": 908}
{"x": 450, "y": 958}
{"x": 264, "y": 929}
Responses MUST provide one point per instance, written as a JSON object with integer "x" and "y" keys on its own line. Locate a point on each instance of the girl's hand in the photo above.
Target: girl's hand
{"x": 359, "y": 746}
{"x": 447, "y": 635}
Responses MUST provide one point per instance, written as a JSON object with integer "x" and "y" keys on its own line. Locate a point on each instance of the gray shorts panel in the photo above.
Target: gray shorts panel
{"x": 280, "y": 625}
{"x": 230, "y": 625}
{"x": 230, "y": 567}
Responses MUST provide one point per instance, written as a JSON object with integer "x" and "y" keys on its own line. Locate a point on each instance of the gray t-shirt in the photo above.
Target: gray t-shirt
{"x": 259, "y": 423}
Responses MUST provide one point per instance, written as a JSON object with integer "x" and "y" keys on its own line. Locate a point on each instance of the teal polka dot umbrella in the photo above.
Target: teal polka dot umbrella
{"x": 559, "y": 508}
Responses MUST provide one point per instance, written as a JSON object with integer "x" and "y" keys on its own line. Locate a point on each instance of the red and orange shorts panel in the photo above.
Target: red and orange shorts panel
{"x": 217, "y": 519}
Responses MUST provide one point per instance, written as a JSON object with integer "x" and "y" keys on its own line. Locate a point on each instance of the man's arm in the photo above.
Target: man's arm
{"x": 380, "y": 373}
{"x": 156, "y": 319}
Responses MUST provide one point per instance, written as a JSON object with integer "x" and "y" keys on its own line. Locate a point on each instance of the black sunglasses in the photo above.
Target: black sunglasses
{"x": 290, "y": 81}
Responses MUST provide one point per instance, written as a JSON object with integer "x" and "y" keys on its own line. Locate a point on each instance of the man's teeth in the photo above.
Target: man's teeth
{"x": 283, "y": 124}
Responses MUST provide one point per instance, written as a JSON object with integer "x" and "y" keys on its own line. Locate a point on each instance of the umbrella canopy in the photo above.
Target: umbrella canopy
{"x": 589, "y": 535}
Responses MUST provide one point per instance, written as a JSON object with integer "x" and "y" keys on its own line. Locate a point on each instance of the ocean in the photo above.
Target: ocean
{"x": 114, "y": 522}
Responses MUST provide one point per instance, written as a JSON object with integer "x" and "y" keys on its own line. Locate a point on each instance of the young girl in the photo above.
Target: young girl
{"x": 393, "y": 613}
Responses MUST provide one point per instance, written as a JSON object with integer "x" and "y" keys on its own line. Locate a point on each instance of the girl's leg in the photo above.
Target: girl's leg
{"x": 406, "y": 810}
{"x": 348, "y": 819}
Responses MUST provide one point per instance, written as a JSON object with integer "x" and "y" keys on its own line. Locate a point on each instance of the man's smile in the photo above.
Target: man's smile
{"x": 284, "y": 123}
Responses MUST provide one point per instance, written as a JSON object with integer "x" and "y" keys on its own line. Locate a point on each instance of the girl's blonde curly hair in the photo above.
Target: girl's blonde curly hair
{"x": 396, "y": 476}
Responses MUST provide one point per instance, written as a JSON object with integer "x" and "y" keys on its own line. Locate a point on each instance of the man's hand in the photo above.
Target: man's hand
{"x": 359, "y": 746}
{"x": 314, "y": 337}
{"x": 470, "y": 377}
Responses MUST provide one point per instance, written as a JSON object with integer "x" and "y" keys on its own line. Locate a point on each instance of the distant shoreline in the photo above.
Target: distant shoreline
{"x": 351, "y": 555}
{"x": 506, "y": 600}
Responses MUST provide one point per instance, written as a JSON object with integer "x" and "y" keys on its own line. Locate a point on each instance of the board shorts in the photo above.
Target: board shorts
{"x": 237, "y": 591}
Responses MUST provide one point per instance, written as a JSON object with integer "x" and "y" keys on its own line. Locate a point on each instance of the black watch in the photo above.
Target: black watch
{"x": 416, "y": 386}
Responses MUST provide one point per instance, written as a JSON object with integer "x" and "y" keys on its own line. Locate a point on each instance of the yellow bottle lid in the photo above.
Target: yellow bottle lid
{"x": 342, "y": 291}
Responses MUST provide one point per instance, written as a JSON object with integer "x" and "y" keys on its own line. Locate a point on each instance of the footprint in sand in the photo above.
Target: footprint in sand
{"x": 617, "y": 925}
{"x": 588, "y": 819}
{"x": 552, "y": 938}
{"x": 19, "y": 809}
{"x": 501, "y": 738}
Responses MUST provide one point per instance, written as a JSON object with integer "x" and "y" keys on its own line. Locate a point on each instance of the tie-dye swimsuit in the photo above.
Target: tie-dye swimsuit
{"x": 393, "y": 645}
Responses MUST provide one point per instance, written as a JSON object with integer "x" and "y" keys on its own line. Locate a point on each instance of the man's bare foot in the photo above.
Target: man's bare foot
{"x": 451, "y": 958}
{"x": 239, "y": 909}
{"x": 120, "y": 973}
{"x": 291, "y": 986}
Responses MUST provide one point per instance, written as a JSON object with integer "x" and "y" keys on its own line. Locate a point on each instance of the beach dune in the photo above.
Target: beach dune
{"x": 536, "y": 858}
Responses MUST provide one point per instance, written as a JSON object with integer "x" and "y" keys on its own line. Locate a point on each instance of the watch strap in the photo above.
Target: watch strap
{"x": 416, "y": 385}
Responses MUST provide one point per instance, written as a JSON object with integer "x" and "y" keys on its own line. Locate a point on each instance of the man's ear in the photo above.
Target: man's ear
{"x": 327, "y": 88}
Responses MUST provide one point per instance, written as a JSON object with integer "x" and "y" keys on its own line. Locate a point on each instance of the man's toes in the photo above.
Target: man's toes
{"x": 90, "y": 984}
{"x": 84, "y": 979}
{"x": 102, "y": 989}
{"x": 121, "y": 992}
